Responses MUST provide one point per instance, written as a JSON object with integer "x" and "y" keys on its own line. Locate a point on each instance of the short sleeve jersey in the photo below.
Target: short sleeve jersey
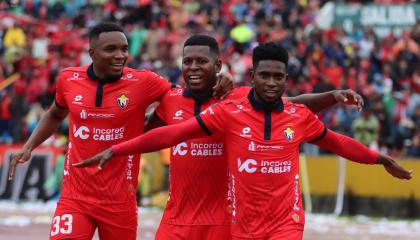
{"x": 101, "y": 115}
{"x": 198, "y": 171}
{"x": 263, "y": 159}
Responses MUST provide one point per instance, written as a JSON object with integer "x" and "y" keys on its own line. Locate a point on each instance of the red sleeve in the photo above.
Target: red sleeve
{"x": 161, "y": 109}
{"x": 347, "y": 147}
{"x": 315, "y": 129}
{"x": 154, "y": 140}
{"x": 212, "y": 120}
{"x": 238, "y": 92}
{"x": 60, "y": 100}
{"x": 158, "y": 86}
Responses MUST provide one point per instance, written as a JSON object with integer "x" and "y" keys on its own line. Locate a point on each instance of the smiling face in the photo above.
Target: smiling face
{"x": 269, "y": 80}
{"x": 109, "y": 53}
{"x": 199, "y": 68}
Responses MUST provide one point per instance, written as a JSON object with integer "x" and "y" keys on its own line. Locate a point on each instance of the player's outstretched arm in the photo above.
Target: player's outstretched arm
{"x": 48, "y": 124}
{"x": 317, "y": 102}
{"x": 151, "y": 141}
{"x": 223, "y": 85}
{"x": 355, "y": 151}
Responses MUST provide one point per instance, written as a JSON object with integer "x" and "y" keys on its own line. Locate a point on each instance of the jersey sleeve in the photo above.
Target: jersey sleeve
{"x": 60, "y": 100}
{"x": 212, "y": 120}
{"x": 157, "y": 86}
{"x": 315, "y": 129}
{"x": 238, "y": 92}
{"x": 161, "y": 109}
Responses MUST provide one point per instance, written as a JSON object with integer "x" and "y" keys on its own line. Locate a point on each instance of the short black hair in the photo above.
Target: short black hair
{"x": 203, "y": 40}
{"x": 269, "y": 51}
{"x": 104, "y": 27}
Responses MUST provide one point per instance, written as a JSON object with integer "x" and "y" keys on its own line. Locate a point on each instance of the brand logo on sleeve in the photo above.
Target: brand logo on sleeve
{"x": 289, "y": 134}
{"x": 122, "y": 101}
{"x": 249, "y": 166}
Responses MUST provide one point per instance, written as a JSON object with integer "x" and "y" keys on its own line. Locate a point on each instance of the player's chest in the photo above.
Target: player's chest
{"x": 92, "y": 100}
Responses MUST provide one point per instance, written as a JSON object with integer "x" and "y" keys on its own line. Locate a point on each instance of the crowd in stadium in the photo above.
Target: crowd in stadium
{"x": 39, "y": 38}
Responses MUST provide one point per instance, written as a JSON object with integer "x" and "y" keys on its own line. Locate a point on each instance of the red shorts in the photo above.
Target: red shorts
{"x": 192, "y": 232}
{"x": 292, "y": 234}
{"x": 75, "y": 219}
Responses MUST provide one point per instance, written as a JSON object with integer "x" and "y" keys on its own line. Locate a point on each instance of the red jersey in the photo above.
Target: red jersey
{"x": 263, "y": 158}
{"x": 101, "y": 115}
{"x": 198, "y": 171}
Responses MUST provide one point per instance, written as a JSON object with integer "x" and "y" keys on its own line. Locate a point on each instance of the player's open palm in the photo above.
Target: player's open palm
{"x": 393, "y": 168}
{"x": 101, "y": 158}
{"x": 21, "y": 157}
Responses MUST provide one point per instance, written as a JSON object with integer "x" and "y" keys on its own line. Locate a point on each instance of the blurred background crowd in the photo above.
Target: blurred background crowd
{"x": 38, "y": 38}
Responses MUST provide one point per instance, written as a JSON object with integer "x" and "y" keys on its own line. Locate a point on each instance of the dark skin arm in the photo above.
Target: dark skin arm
{"x": 154, "y": 122}
{"x": 320, "y": 101}
{"x": 224, "y": 85}
{"x": 48, "y": 124}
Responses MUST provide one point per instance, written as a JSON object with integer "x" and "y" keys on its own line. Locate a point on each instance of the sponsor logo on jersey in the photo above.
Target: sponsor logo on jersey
{"x": 129, "y": 77}
{"x": 252, "y": 146}
{"x": 245, "y": 132}
{"x": 265, "y": 167}
{"x": 78, "y": 100}
{"x": 178, "y": 115}
{"x": 129, "y": 167}
{"x": 84, "y": 115}
{"x": 177, "y": 92}
{"x": 76, "y": 76}
{"x": 98, "y": 134}
{"x": 249, "y": 166}
{"x": 180, "y": 149}
{"x": 289, "y": 133}
{"x": 122, "y": 101}
{"x": 198, "y": 149}
{"x": 296, "y": 193}
{"x": 240, "y": 108}
{"x": 82, "y": 132}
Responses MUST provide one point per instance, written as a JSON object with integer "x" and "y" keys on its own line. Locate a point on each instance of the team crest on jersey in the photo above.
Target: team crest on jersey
{"x": 122, "y": 101}
{"x": 289, "y": 134}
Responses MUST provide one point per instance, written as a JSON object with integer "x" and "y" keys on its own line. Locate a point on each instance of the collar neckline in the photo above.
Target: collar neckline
{"x": 91, "y": 74}
{"x": 188, "y": 93}
{"x": 278, "y": 106}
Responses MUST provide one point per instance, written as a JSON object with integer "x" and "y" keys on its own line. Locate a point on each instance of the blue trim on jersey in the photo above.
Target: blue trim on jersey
{"x": 202, "y": 125}
{"x": 324, "y": 132}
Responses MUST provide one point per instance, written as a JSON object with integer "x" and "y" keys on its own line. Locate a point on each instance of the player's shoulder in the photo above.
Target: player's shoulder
{"x": 176, "y": 92}
{"x": 234, "y": 105}
{"x": 290, "y": 107}
{"x": 140, "y": 73}
{"x": 74, "y": 70}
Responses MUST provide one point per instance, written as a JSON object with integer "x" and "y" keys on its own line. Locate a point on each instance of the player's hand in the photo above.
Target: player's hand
{"x": 393, "y": 168}
{"x": 349, "y": 97}
{"x": 224, "y": 85}
{"x": 21, "y": 157}
{"x": 101, "y": 158}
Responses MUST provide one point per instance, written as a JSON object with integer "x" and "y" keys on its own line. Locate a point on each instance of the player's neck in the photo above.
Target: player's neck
{"x": 202, "y": 96}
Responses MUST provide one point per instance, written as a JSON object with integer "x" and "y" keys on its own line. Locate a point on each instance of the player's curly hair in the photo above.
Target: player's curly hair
{"x": 269, "y": 51}
{"x": 203, "y": 40}
{"x": 104, "y": 27}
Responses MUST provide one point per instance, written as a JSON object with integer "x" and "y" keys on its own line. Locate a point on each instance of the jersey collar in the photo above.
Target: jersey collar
{"x": 187, "y": 93}
{"x": 278, "y": 107}
{"x": 91, "y": 74}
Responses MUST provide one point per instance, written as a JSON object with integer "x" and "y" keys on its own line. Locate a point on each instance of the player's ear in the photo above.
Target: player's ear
{"x": 252, "y": 74}
{"x": 91, "y": 52}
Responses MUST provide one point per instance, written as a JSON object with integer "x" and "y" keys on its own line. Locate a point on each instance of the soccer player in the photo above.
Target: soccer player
{"x": 262, "y": 133}
{"x": 106, "y": 104}
{"x": 198, "y": 204}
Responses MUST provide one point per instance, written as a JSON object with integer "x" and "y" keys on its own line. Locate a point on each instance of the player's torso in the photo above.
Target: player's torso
{"x": 101, "y": 115}
{"x": 263, "y": 149}
{"x": 198, "y": 171}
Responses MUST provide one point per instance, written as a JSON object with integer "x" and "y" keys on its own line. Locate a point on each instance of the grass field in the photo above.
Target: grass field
{"x": 31, "y": 221}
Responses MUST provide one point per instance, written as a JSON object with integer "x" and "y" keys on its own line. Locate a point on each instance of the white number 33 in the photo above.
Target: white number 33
{"x": 67, "y": 220}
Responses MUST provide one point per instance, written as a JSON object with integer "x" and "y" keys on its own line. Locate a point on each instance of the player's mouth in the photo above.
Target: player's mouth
{"x": 117, "y": 66}
{"x": 195, "y": 79}
{"x": 271, "y": 93}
